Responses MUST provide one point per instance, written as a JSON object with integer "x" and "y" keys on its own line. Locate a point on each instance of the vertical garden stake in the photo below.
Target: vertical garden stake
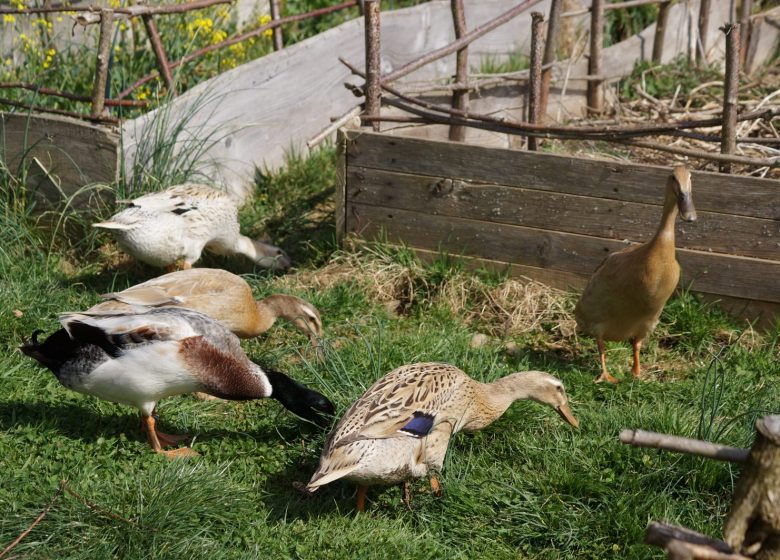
{"x": 661, "y": 24}
{"x": 595, "y": 90}
{"x": 159, "y": 52}
{"x": 278, "y": 43}
{"x": 704, "y": 24}
{"x": 460, "y": 97}
{"x": 535, "y": 81}
{"x": 550, "y": 44}
{"x": 373, "y": 65}
{"x": 728, "y": 140}
{"x": 101, "y": 65}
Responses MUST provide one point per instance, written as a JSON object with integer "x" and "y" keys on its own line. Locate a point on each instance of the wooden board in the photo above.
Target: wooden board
{"x": 599, "y": 217}
{"x": 554, "y": 218}
{"x": 706, "y": 272}
{"x": 64, "y": 155}
{"x": 713, "y": 192}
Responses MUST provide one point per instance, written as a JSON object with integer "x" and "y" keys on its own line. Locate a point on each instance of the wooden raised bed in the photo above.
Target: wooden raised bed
{"x": 554, "y": 218}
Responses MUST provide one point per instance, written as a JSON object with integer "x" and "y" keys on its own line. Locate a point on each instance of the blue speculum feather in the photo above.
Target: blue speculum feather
{"x": 420, "y": 425}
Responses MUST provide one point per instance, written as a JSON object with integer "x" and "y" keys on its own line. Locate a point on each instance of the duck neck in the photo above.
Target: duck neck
{"x": 665, "y": 233}
{"x": 496, "y": 397}
{"x": 267, "y": 313}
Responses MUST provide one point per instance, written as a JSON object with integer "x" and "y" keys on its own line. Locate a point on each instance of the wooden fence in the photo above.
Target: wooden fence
{"x": 554, "y": 218}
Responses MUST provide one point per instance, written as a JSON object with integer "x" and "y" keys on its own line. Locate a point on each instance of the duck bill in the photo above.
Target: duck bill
{"x": 566, "y": 414}
{"x": 685, "y": 205}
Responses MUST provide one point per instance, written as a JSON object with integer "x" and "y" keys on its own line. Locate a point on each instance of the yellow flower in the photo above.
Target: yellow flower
{"x": 218, "y": 36}
{"x": 9, "y": 18}
{"x": 8, "y": 62}
{"x": 117, "y": 49}
{"x": 51, "y": 52}
{"x": 45, "y": 65}
{"x": 264, "y": 19}
{"x": 59, "y": 19}
{"x": 20, "y": 6}
{"x": 141, "y": 95}
{"x": 122, "y": 26}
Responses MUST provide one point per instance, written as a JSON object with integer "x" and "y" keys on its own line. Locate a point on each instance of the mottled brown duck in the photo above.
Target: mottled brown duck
{"x": 401, "y": 427}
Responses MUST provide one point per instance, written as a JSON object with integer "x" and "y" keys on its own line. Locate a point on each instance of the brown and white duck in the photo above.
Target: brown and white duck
{"x": 139, "y": 358}
{"x": 401, "y": 427}
{"x": 625, "y": 296}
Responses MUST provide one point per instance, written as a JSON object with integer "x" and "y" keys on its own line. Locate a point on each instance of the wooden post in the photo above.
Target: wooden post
{"x": 373, "y": 90}
{"x": 460, "y": 98}
{"x": 159, "y": 52}
{"x": 550, "y": 45}
{"x": 535, "y": 76}
{"x": 728, "y": 132}
{"x": 660, "y": 31}
{"x": 278, "y": 42}
{"x": 101, "y": 65}
{"x": 754, "y": 519}
{"x": 704, "y": 24}
{"x": 595, "y": 91}
{"x": 744, "y": 21}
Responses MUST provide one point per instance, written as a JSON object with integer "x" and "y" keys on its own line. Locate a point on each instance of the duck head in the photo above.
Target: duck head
{"x": 680, "y": 182}
{"x": 548, "y": 389}
{"x": 299, "y": 399}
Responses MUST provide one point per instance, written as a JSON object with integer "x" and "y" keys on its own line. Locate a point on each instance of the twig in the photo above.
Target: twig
{"x": 238, "y": 39}
{"x": 132, "y": 11}
{"x": 100, "y": 510}
{"x": 467, "y": 39}
{"x": 332, "y": 127}
{"x": 460, "y": 97}
{"x": 37, "y": 520}
{"x": 728, "y": 130}
{"x": 98, "y": 119}
{"x": 535, "y": 84}
{"x": 641, "y": 438}
{"x": 72, "y": 96}
{"x": 604, "y": 132}
{"x": 373, "y": 92}
{"x": 680, "y": 542}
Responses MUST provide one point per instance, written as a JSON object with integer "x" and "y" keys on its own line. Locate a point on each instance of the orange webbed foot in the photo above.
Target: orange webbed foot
{"x": 605, "y": 376}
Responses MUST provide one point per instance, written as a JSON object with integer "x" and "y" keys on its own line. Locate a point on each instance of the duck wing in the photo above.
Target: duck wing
{"x": 408, "y": 402}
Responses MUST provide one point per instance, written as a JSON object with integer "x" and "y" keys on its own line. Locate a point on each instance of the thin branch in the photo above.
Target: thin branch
{"x": 37, "y": 520}
{"x": 238, "y": 39}
{"x": 99, "y": 119}
{"x": 132, "y": 11}
{"x": 641, "y": 438}
{"x": 72, "y": 96}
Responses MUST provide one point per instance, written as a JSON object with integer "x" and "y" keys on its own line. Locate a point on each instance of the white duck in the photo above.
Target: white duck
{"x": 177, "y": 224}
{"x": 138, "y": 359}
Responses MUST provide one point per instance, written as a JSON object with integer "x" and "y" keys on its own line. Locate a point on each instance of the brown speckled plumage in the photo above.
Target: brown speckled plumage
{"x": 401, "y": 426}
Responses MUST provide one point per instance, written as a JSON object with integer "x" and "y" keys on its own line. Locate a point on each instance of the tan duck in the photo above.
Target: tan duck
{"x": 400, "y": 428}
{"x": 626, "y": 294}
{"x": 171, "y": 228}
{"x": 221, "y": 295}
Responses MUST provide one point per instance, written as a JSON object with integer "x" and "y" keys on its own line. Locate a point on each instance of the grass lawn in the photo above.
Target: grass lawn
{"x": 529, "y": 486}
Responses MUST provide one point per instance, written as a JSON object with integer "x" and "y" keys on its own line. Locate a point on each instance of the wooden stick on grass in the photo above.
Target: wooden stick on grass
{"x": 37, "y": 520}
{"x": 641, "y": 438}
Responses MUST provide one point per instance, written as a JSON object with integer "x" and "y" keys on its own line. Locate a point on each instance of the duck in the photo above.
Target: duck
{"x": 626, "y": 294}
{"x": 136, "y": 359}
{"x": 171, "y": 228}
{"x": 400, "y": 428}
{"x": 221, "y": 295}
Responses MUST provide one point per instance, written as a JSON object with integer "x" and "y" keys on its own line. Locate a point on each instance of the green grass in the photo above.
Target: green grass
{"x": 528, "y": 486}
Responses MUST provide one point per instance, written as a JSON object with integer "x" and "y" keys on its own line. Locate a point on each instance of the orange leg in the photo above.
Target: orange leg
{"x": 361, "y": 498}
{"x": 605, "y": 376}
{"x": 156, "y": 441}
{"x": 636, "y": 370}
{"x": 436, "y": 486}
{"x": 406, "y": 495}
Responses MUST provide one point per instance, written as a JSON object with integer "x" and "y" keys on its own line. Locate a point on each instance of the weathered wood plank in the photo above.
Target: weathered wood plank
{"x": 761, "y": 313}
{"x": 69, "y": 154}
{"x": 741, "y": 277}
{"x": 744, "y": 196}
{"x": 555, "y": 278}
{"x": 599, "y": 217}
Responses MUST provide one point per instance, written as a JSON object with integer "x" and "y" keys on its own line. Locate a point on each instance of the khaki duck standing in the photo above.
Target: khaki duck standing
{"x": 220, "y": 295}
{"x": 626, "y": 294}
{"x": 139, "y": 358}
{"x": 401, "y": 427}
{"x": 175, "y": 226}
